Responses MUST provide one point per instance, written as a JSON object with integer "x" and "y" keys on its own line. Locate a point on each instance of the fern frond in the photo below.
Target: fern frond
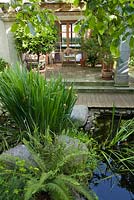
{"x": 69, "y": 157}
{"x": 84, "y": 191}
{"x": 57, "y": 192}
{"x": 64, "y": 187}
{"x": 36, "y": 157}
{"x": 68, "y": 180}
{"x": 8, "y": 159}
{"x": 34, "y": 185}
{"x": 31, "y": 188}
{"x": 11, "y": 160}
{"x": 74, "y": 184}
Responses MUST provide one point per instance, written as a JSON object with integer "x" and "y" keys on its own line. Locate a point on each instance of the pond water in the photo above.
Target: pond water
{"x": 105, "y": 184}
{"x": 116, "y": 187}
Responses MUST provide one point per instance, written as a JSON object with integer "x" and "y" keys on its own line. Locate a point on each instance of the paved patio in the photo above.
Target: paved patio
{"x": 80, "y": 73}
{"x": 123, "y": 98}
{"x": 75, "y": 72}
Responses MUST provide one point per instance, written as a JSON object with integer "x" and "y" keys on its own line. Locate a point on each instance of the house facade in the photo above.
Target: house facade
{"x": 67, "y": 16}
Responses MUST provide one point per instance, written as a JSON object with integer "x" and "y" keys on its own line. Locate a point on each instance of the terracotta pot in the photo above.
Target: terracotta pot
{"x": 107, "y": 70}
{"x": 82, "y": 62}
{"x": 107, "y": 74}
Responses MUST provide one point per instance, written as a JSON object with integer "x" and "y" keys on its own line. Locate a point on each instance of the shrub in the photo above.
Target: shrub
{"x": 131, "y": 61}
{"x": 11, "y": 181}
{"x": 33, "y": 102}
{"x": 34, "y": 30}
{"x": 3, "y": 64}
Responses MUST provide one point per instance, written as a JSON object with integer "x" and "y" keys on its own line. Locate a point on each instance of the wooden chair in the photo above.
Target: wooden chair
{"x": 69, "y": 56}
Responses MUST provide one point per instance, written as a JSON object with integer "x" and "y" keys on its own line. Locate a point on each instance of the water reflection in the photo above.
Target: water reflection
{"x": 110, "y": 184}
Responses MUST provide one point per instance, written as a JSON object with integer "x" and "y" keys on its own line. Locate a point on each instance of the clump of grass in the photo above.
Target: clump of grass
{"x": 32, "y": 101}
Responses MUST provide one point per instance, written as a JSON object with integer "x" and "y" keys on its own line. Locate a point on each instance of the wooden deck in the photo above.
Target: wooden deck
{"x": 106, "y": 100}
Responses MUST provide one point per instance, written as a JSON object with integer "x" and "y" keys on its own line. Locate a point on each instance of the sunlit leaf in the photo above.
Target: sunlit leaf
{"x": 114, "y": 48}
{"x": 14, "y": 27}
{"x": 77, "y": 28}
{"x": 131, "y": 43}
{"x": 76, "y": 2}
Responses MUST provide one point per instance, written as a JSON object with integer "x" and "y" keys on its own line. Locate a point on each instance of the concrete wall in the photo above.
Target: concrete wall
{"x": 4, "y": 50}
{"x": 7, "y": 46}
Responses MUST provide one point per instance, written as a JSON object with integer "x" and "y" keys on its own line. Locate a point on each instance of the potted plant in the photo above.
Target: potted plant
{"x": 34, "y": 31}
{"x": 107, "y": 59}
{"x": 90, "y": 47}
{"x": 107, "y": 67}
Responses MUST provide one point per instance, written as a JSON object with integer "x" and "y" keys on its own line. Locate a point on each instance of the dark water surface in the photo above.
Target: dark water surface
{"x": 109, "y": 190}
{"x": 105, "y": 184}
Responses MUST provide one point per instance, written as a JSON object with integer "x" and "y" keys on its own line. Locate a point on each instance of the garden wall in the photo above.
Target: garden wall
{"x": 7, "y": 46}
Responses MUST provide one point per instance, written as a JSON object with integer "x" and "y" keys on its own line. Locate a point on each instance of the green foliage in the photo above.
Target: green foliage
{"x": 52, "y": 159}
{"x": 92, "y": 48}
{"x": 85, "y": 159}
{"x": 13, "y": 180}
{"x": 98, "y": 48}
{"x": 114, "y": 18}
{"x": 117, "y": 148}
{"x": 34, "y": 29}
{"x": 3, "y": 64}
{"x": 47, "y": 179}
{"x": 131, "y": 61}
{"x": 92, "y": 158}
{"x": 33, "y": 102}
{"x": 10, "y": 134}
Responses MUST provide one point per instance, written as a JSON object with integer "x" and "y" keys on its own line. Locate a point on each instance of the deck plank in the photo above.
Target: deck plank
{"x": 108, "y": 100}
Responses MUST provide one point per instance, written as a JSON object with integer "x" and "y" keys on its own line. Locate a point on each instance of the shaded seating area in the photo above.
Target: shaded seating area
{"x": 69, "y": 56}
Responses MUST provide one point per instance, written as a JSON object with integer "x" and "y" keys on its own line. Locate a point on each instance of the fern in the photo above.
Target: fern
{"x": 84, "y": 191}
{"x": 35, "y": 185}
{"x": 74, "y": 184}
{"x": 58, "y": 192}
{"x": 48, "y": 176}
{"x": 35, "y": 156}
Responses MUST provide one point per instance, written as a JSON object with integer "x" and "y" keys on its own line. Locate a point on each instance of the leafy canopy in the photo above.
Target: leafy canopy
{"x": 114, "y": 17}
{"x": 34, "y": 29}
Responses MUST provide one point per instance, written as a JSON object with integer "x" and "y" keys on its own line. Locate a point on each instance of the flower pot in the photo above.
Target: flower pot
{"x": 107, "y": 74}
{"x": 82, "y": 62}
{"x": 107, "y": 70}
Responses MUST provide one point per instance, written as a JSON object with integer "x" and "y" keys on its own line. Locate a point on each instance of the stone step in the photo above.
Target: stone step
{"x": 106, "y": 89}
{"x": 71, "y": 64}
{"x": 87, "y": 83}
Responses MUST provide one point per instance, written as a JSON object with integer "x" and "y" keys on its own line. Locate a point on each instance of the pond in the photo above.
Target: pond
{"x": 112, "y": 187}
{"x": 106, "y": 184}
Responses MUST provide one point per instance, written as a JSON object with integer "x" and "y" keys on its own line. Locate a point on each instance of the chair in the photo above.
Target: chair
{"x": 69, "y": 56}
{"x": 32, "y": 61}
